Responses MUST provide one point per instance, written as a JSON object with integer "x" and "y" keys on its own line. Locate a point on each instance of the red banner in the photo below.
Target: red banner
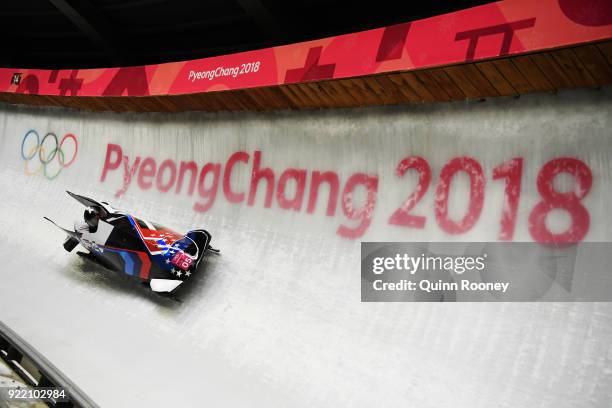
{"x": 491, "y": 30}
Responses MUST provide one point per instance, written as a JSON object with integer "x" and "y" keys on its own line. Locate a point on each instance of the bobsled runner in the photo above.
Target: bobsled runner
{"x": 157, "y": 256}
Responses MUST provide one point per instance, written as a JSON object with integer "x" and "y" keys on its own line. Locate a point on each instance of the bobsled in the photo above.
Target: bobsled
{"x": 157, "y": 256}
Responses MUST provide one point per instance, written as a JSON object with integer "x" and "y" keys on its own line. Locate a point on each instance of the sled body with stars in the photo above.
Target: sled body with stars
{"x": 144, "y": 250}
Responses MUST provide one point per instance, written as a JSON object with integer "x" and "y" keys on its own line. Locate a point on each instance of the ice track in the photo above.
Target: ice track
{"x": 276, "y": 320}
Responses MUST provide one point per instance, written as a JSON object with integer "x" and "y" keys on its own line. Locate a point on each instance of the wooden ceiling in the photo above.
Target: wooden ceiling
{"x": 588, "y": 65}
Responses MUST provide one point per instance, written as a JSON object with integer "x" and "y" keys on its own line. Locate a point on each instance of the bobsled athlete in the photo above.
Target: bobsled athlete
{"x": 91, "y": 217}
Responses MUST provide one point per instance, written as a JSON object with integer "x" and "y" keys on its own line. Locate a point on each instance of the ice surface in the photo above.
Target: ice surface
{"x": 276, "y": 320}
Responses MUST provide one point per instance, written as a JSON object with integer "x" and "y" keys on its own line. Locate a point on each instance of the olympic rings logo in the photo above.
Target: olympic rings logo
{"x": 46, "y": 150}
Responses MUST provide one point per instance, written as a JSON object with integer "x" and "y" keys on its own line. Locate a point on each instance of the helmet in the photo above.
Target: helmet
{"x": 91, "y": 216}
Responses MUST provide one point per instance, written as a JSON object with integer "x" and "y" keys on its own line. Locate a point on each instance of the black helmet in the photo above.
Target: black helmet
{"x": 91, "y": 216}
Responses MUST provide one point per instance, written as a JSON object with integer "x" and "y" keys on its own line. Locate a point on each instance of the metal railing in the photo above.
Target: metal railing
{"x": 37, "y": 371}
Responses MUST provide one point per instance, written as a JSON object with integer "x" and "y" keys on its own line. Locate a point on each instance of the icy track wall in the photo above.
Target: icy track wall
{"x": 288, "y": 197}
{"x": 362, "y": 175}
